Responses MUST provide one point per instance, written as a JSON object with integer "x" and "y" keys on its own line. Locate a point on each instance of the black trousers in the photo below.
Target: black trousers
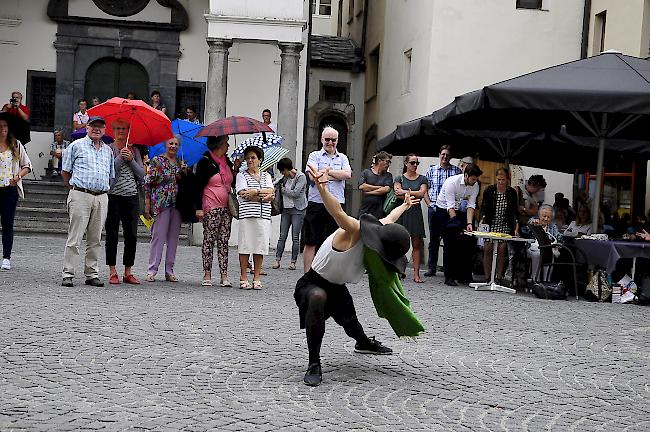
{"x": 8, "y": 203}
{"x": 124, "y": 209}
{"x": 458, "y": 249}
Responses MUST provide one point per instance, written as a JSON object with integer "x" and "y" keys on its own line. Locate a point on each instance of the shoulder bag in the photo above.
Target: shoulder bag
{"x": 233, "y": 204}
{"x": 390, "y": 202}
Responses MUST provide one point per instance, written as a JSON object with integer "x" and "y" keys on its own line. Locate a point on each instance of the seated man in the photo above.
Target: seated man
{"x": 377, "y": 246}
{"x": 56, "y": 151}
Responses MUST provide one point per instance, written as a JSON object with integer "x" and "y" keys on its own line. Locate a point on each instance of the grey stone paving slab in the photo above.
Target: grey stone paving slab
{"x": 165, "y": 356}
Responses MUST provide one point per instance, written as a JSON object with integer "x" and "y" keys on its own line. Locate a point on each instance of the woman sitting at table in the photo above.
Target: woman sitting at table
{"x": 499, "y": 210}
{"x": 545, "y": 217}
{"x": 582, "y": 225}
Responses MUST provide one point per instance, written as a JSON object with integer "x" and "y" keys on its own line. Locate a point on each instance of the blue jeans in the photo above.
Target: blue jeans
{"x": 290, "y": 218}
{"x": 8, "y": 203}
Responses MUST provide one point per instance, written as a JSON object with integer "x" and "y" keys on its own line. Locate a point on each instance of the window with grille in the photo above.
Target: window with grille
{"x": 529, "y": 4}
{"x": 190, "y": 93}
{"x": 337, "y": 92}
{"x": 41, "y": 92}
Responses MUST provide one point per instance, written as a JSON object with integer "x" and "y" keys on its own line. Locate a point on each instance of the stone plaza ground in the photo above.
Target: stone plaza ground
{"x": 163, "y": 356}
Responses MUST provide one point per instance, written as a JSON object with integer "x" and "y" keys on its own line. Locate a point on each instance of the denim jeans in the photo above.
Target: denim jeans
{"x": 290, "y": 218}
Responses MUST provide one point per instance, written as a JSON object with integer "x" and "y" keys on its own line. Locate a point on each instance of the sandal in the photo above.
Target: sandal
{"x": 206, "y": 282}
{"x": 292, "y": 266}
{"x": 150, "y": 277}
{"x": 244, "y": 284}
{"x": 225, "y": 283}
{"x": 170, "y": 277}
{"x": 276, "y": 265}
{"x": 418, "y": 280}
{"x": 257, "y": 285}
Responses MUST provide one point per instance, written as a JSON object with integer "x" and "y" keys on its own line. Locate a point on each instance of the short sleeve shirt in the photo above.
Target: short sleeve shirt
{"x": 373, "y": 204}
{"x": 321, "y": 159}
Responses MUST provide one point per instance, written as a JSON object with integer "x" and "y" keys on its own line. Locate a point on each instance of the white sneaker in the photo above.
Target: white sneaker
{"x": 6, "y": 264}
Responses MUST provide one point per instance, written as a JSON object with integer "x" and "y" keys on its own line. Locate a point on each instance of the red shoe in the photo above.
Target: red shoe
{"x": 130, "y": 279}
{"x": 114, "y": 280}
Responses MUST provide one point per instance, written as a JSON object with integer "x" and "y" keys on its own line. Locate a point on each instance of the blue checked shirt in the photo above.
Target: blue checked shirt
{"x": 321, "y": 159}
{"x": 437, "y": 176}
{"x": 90, "y": 168}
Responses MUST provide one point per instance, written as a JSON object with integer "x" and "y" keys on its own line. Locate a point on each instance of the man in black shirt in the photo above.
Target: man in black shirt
{"x": 374, "y": 183}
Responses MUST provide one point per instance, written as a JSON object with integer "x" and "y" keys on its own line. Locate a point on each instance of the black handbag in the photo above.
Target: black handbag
{"x": 277, "y": 205}
{"x": 550, "y": 290}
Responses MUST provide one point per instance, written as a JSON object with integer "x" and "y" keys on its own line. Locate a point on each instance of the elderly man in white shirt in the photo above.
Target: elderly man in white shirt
{"x": 455, "y": 209}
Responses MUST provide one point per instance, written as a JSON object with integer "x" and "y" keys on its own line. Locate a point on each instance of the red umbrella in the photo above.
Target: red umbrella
{"x": 148, "y": 125}
{"x": 234, "y": 125}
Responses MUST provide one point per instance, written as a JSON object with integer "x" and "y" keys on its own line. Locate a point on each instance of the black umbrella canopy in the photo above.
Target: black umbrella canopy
{"x": 607, "y": 95}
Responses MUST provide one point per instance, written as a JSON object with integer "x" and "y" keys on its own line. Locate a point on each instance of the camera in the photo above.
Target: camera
{"x": 13, "y": 101}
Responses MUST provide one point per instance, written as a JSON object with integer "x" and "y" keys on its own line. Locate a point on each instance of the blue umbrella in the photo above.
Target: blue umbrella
{"x": 191, "y": 148}
{"x": 272, "y": 140}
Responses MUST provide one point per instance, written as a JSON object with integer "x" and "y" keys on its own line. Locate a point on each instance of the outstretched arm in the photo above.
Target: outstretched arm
{"x": 345, "y": 222}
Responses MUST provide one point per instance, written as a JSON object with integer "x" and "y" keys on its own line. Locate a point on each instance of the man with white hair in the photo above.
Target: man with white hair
{"x": 319, "y": 224}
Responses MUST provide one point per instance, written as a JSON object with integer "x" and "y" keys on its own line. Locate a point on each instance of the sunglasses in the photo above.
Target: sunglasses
{"x": 416, "y": 163}
{"x": 330, "y": 139}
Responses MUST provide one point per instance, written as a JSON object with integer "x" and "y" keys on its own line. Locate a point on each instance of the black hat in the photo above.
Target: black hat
{"x": 258, "y": 151}
{"x": 391, "y": 241}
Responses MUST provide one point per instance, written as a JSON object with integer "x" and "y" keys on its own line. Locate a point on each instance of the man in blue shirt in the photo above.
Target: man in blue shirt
{"x": 87, "y": 171}
{"x": 319, "y": 224}
{"x": 437, "y": 174}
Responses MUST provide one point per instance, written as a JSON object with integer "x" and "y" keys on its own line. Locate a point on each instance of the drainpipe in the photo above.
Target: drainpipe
{"x": 308, "y": 72}
{"x": 586, "y": 18}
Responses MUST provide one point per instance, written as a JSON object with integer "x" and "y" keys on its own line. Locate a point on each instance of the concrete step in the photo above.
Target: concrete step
{"x": 40, "y": 186}
{"x": 53, "y": 195}
{"x": 43, "y": 203}
{"x": 38, "y": 213}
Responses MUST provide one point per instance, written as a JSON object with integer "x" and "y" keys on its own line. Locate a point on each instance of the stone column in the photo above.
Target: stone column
{"x": 217, "y": 86}
{"x": 64, "y": 101}
{"x": 288, "y": 95}
{"x": 168, "y": 77}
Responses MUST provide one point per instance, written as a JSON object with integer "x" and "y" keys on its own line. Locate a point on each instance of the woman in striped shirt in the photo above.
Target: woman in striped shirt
{"x": 254, "y": 192}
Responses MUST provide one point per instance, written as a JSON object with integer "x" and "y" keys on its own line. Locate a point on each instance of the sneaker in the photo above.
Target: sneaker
{"x": 6, "y": 264}
{"x": 314, "y": 375}
{"x": 373, "y": 346}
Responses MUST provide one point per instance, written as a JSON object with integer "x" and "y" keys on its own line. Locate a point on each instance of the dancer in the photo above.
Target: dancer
{"x": 377, "y": 246}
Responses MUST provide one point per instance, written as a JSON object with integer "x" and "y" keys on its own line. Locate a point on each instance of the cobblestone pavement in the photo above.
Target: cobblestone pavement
{"x": 165, "y": 356}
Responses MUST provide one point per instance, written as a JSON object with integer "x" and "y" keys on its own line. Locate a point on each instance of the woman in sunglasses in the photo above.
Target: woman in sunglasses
{"x": 412, "y": 218}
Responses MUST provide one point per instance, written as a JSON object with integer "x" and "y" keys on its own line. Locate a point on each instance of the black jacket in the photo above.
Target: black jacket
{"x": 185, "y": 197}
{"x": 489, "y": 205}
{"x": 206, "y": 167}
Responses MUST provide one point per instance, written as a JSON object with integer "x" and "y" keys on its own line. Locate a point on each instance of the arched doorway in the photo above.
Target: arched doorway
{"x": 110, "y": 77}
{"x": 340, "y": 125}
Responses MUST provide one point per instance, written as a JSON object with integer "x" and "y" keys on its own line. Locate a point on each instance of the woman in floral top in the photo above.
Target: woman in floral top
{"x": 160, "y": 199}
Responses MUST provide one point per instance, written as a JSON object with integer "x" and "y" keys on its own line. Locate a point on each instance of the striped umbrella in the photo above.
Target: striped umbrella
{"x": 272, "y": 140}
{"x": 271, "y": 157}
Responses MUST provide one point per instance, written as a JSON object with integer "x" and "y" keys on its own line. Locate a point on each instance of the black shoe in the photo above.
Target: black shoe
{"x": 314, "y": 375}
{"x": 466, "y": 281}
{"x": 450, "y": 282}
{"x": 373, "y": 346}
{"x": 94, "y": 282}
{"x": 429, "y": 273}
{"x": 67, "y": 282}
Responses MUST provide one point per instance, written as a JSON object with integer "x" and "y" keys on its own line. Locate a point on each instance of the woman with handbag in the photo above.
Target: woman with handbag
{"x": 160, "y": 202}
{"x": 294, "y": 204}
{"x": 214, "y": 180}
{"x": 412, "y": 219}
{"x": 254, "y": 192}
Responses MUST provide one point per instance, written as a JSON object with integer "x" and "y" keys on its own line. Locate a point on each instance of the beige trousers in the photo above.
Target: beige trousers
{"x": 87, "y": 216}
